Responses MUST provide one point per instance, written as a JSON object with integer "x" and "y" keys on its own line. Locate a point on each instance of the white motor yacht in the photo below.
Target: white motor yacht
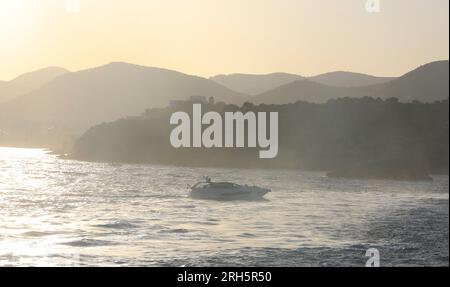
{"x": 226, "y": 191}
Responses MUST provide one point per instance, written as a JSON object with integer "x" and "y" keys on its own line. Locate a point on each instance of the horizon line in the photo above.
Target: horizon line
{"x": 218, "y": 74}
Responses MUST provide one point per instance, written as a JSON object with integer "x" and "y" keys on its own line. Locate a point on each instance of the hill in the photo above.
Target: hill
{"x": 348, "y": 79}
{"x": 75, "y": 101}
{"x": 427, "y": 83}
{"x": 28, "y": 82}
{"x": 337, "y": 135}
{"x": 254, "y": 84}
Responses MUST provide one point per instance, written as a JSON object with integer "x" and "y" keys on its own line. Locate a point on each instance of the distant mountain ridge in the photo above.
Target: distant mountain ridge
{"x": 28, "y": 82}
{"x": 348, "y": 79}
{"x": 78, "y": 100}
{"x": 427, "y": 83}
{"x": 71, "y": 102}
{"x": 254, "y": 84}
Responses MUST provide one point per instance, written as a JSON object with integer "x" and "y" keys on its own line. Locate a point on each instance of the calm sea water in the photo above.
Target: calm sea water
{"x": 56, "y": 212}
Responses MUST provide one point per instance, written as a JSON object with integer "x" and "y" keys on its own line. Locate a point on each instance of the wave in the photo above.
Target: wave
{"x": 37, "y": 233}
{"x": 85, "y": 242}
{"x": 178, "y": 230}
{"x": 117, "y": 225}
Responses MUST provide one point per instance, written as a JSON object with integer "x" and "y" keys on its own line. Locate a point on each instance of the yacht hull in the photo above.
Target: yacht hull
{"x": 224, "y": 194}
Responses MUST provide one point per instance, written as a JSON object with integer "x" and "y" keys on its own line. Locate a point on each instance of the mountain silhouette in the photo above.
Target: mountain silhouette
{"x": 28, "y": 82}
{"x": 80, "y": 99}
{"x": 361, "y": 138}
{"x": 254, "y": 84}
{"x": 348, "y": 79}
{"x": 427, "y": 83}
{"x": 72, "y": 102}
{"x": 302, "y": 90}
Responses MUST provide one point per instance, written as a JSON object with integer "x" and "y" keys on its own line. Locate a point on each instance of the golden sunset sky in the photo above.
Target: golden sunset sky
{"x": 208, "y": 37}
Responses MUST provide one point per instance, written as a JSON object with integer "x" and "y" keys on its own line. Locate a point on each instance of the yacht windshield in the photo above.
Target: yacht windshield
{"x": 224, "y": 185}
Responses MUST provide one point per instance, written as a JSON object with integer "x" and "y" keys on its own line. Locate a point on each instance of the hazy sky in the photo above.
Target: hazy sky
{"x": 208, "y": 37}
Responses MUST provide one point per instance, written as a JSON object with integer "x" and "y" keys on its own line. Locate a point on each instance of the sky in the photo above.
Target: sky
{"x": 209, "y": 37}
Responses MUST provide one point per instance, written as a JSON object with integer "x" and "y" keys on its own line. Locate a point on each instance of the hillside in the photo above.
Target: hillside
{"x": 254, "y": 84}
{"x": 28, "y": 82}
{"x": 333, "y": 136}
{"x": 302, "y": 90}
{"x": 78, "y": 100}
{"x": 427, "y": 83}
{"x": 348, "y": 79}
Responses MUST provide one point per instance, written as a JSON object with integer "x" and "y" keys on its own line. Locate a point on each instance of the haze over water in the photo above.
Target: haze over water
{"x": 72, "y": 213}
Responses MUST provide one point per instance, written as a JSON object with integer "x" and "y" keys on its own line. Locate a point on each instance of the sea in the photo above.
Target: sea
{"x": 60, "y": 212}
